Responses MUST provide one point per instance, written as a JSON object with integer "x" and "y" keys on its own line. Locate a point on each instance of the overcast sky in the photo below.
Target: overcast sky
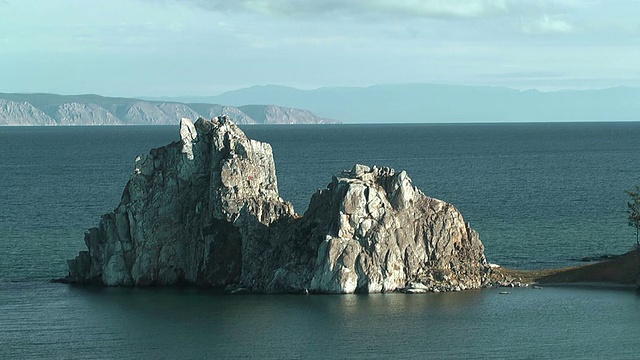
{"x": 201, "y": 47}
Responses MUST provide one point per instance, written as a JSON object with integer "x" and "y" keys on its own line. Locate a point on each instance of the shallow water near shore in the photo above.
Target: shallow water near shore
{"x": 540, "y": 195}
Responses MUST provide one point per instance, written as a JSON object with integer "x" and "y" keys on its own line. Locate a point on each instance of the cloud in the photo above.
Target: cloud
{"x": 413, "y": 8}
{"x": 547, "y": 25}
{"x": 532, "y": 74}
{"x": 439, "y": 8}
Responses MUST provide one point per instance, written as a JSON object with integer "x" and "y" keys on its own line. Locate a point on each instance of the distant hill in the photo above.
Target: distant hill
{"x": 399, "y": 103}
{"x": 444, "y": 103}
{"x": 51, "y": 109}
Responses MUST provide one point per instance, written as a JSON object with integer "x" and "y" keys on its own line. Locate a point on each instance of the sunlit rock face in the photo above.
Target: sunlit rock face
{"x": 175, "y": 221}
{"x": 21, "y": 113}
{"x": 206, "y": 211}
{"x": 380, "y": 233}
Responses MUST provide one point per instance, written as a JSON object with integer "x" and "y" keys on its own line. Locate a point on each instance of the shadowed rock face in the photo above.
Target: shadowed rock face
{"x": 206, "y": 211}
{"x": 174, "y": 223}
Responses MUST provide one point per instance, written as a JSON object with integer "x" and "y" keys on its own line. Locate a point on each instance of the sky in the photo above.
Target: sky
{"x": 206, "y": 47}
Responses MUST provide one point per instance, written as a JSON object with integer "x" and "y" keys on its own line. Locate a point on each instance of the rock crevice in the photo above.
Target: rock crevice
{"x": 206, "y": 211}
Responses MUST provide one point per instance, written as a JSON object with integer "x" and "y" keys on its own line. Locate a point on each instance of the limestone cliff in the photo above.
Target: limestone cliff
{"x": 17, "y": 113}
{"x": 75, "y": 113}
{"x": 52, "y": 110}
{"x": 206, "y": 211}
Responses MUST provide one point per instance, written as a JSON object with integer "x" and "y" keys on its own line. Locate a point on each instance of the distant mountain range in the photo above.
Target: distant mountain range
{"x": 443, "y": 103}
{"x": 399, "y": 103}
{"x": 50, "y": 109}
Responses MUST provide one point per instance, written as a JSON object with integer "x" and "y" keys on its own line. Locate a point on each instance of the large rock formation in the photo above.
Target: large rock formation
{"x": 206, "y": 211}
{"x": 382, "y": 233}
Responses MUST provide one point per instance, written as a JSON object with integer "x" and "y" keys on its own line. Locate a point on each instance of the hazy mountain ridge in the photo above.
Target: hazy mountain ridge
{"x": 25, "y": 111}
{"x": 52, "y": 109}
{"x": 444, "y": 103}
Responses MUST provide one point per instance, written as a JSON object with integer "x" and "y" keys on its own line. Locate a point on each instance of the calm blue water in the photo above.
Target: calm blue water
{"x": 540, "y": 195}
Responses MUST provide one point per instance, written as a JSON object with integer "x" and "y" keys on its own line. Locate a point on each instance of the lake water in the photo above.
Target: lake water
{"x": 540, "y": 195}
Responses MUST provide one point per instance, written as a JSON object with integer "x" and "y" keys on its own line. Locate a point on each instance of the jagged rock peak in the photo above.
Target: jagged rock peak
{"x": 383, "y": 234}
{"x": 206, "y": 211}
{"x": 187, "y": 135}
{"x": 175, "y": 221}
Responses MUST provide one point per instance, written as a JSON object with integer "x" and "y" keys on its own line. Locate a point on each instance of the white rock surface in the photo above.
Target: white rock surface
{"x": 20, "y": 113}
{"x": 84, "y": 114}
{"x": 50, "y": 109}
{"x": 206, "y": 211}
{"x": 187, "y": 135}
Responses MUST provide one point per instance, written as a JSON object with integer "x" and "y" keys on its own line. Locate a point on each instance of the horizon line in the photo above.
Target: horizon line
{"x": 303, "y": 89}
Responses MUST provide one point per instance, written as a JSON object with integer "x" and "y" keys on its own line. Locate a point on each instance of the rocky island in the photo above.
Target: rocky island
{"x": 205, "y": 211}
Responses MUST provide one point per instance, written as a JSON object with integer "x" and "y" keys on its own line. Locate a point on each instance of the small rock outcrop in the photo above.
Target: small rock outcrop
{"x": 206, "y": 211}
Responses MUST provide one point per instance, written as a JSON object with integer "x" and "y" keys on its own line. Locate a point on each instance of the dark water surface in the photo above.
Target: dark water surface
{"x": 540, "y": 195}
{"x": 54, "y": 321}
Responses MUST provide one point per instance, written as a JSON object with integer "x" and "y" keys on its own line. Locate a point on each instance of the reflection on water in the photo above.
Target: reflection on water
{"x": 52, "y": 192}
{"x": 59, "y": 321}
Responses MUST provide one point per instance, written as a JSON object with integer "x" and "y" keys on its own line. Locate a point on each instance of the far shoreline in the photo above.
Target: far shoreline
{"x": 619, "y": 273}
